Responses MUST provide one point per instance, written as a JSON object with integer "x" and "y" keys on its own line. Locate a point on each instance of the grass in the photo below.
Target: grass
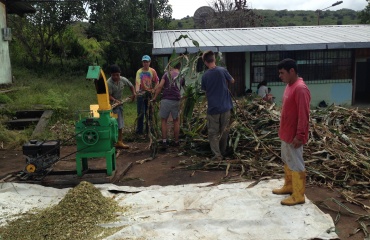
{"x": 129, "y": 110}
{"x": 69, "y": 96}
{"x": 63, "y": 93}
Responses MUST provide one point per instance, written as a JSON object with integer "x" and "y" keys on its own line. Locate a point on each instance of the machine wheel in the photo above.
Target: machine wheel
{"x": 30, "y": 168}
{"x": 90, "y": 137}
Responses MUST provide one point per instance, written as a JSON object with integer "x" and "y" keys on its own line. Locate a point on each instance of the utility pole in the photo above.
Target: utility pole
{"x": 151, "y": 13}
{"x": 318, "y": 11}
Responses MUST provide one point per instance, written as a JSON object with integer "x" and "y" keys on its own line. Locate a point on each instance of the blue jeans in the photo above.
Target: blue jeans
{"x": 119, "y": 111}
{"x": 142, "y": 107}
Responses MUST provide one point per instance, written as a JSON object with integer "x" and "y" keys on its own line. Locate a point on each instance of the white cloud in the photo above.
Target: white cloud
{"x": 183, "y": 8}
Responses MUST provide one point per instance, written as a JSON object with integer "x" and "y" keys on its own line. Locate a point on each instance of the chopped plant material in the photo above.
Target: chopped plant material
{"x": 76, "y": 216}
{"x": 337, "y": 153}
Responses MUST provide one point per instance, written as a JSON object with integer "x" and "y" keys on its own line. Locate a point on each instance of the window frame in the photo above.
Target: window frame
{"x": 314, "y": 66}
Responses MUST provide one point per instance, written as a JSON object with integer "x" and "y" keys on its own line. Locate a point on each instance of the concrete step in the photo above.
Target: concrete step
{"x": 29, "y": 114}
{"x": 21, "y": 123}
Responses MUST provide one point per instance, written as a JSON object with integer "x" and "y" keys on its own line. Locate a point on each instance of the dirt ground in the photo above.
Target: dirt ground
{"x": 166, "y": 169}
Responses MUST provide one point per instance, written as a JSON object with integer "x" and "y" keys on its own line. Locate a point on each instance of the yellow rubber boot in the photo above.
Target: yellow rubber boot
{"x": 287, "y": 187}
{"x": 120, "y": 143}
{"x": 299, "y": 187}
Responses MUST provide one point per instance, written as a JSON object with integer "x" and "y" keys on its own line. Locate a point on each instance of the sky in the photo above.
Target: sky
{"x": 183, "y": 8}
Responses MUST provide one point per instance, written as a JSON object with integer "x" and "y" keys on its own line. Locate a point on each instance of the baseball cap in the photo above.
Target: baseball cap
{"x": 145, "y": 58}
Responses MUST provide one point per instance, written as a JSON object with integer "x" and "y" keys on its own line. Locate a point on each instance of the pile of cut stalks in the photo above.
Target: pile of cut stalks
{"x": 337, "y": 153}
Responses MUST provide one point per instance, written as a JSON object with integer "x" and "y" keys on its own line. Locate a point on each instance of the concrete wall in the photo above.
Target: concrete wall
{"x": 5, "y": 67}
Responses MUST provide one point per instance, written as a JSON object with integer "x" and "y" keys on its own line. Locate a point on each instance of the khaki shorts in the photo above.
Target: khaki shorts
{"x": 293, "y": 157}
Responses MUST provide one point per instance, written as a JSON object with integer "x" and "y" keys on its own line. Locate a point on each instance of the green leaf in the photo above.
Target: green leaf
{"x": 195, "y": 43}
{"x": 179, "y": 38}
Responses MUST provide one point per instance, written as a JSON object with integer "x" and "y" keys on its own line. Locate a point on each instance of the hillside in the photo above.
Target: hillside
{"x": 273, "y": 18}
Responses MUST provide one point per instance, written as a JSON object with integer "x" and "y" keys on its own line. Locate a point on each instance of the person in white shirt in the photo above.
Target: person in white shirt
{"x": 265, "y": 92}
{"x": 262, "y": 89}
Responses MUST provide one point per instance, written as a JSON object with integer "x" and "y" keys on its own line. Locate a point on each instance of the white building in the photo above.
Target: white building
{"x": 333, "y": 60}
{"x": 9, "y": 7}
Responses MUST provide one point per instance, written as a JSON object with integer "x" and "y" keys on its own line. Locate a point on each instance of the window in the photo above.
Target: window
{"x": 320, "y": 66}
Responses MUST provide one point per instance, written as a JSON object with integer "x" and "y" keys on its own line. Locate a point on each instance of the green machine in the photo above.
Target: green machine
{"x": 96, "y": 136}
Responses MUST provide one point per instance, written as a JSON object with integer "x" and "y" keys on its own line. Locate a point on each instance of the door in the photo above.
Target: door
{"x": 235, "y": 64}
{"x": 362, "y": 85}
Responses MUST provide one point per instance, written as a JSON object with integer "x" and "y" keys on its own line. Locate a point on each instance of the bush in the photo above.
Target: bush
{"x": 5, "y": 99}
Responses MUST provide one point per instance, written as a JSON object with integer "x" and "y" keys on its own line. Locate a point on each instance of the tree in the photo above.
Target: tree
{"x": 234, "y": 13}
{"x": 39, "y": 33}
{"x": 126, "y": 25}
{"x": 282, "y": 13}
{"x": 364, "y": 15}
{"x": 162, "y": 14}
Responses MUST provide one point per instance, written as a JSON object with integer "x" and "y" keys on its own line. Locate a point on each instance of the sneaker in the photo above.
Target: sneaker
{"x": 175, "y": 144}
{"x": 164, "y": 146}
{"x": 217, "y": 158}
{"x": 121, "y": 145}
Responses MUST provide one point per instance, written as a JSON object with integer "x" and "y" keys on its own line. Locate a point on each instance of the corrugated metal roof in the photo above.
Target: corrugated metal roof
{"x": 263, "y": 39}
{"x": 18, "y": 7}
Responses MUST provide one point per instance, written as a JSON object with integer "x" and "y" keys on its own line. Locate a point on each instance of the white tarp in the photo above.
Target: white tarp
{"x": 196, "y": 211}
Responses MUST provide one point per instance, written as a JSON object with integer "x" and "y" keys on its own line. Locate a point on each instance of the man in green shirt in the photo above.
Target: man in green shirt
{"x": 116, "y": 84}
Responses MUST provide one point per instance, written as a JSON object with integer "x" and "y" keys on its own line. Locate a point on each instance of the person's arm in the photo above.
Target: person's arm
{"x": 137, "y": 81}
{"x": 133, "y": 93}
{"x": 111, "y": 98}
{"x": 158, "y": 89}
{"x": 129, "y": 84}
{"x": 229, "y": 77}
{"x": 110, "y": 92}
{"x": 155, "y": 80}
{"x": 302, "y": 98}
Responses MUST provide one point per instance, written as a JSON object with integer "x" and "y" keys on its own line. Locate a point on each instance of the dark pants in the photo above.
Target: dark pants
{"x": 142, "y": 108}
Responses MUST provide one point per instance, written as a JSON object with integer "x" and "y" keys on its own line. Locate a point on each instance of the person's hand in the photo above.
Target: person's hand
{"x": 296, "y": 143}
{"x": 133, "y": 98}
{"x": 153, "y": 100}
